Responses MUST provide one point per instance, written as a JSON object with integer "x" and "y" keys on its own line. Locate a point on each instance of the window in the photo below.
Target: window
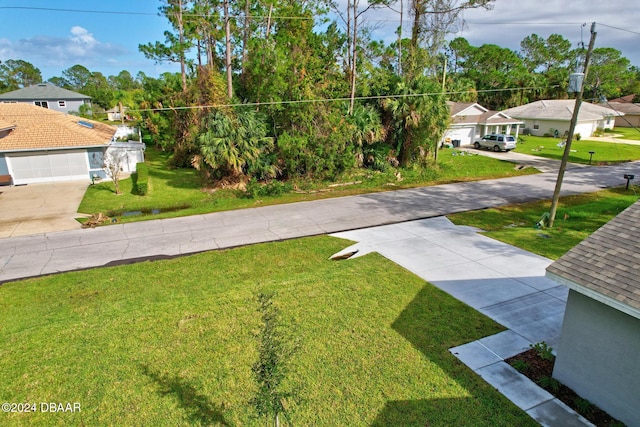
{"x": 43, "y": 104}
{"x": 62, "y": 104}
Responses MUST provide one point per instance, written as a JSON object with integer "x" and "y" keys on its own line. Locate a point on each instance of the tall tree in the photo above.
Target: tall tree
{"x": 611, "y": 75}
{"x": 175, "y": 47}
{"x": 432, "y": 21}
{"x": 16, "y": 74}
{"x": 76, "y": 77}
{"x": 353, "y": 22}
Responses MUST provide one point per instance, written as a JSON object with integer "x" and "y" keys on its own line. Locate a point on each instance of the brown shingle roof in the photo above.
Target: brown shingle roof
{"x": 606, "y": 265}
{"x": 627, "y": 108}
{"x": 40, "y": 128}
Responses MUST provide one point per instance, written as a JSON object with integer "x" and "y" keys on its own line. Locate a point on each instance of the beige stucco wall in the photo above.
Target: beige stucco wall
{"x": 628, "y": 121}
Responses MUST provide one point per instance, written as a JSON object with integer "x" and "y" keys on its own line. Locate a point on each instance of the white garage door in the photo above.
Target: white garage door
{"x": 49, "y": 166}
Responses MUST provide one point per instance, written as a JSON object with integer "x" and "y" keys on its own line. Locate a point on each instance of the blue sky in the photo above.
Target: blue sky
{"x": 54, "y": 41}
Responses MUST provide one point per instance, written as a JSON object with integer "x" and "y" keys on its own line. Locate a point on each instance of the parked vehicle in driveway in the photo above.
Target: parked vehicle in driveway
{"x": 497, "y": 142}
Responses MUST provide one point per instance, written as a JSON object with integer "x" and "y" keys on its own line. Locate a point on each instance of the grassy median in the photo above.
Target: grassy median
{"x": 576, "y": 218}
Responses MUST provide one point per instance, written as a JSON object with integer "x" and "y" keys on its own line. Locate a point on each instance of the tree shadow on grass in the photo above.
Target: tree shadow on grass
{"x": 197, "y": 406}
{"x": 420, "y": 412}
{"x": 433, "y": 322}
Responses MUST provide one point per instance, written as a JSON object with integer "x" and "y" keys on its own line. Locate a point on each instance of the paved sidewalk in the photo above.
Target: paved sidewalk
{"x": 503, "y": 282}
{"x": 35, "y": 255}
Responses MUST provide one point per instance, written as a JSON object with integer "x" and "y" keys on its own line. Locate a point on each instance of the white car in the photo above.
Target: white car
{"x": 497, "y": 142}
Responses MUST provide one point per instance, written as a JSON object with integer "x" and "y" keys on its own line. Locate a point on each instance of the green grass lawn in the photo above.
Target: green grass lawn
{"x": 177, "y": 192}
{"x": 626, "y": 133}
{"x": 605, "y": 152}
{"x": 576, "y": 218}
{"x": 172, "y": 342}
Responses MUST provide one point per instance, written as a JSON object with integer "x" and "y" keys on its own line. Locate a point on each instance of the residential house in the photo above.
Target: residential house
{"x": 599, "y": 351}
{"x": 630, "y": 111}
{"x": 40, "y": 145}
{"x": 48, "y": 96}
{"x": 470, "y": 121}
{"x": 553, "y": 117}
{"x": 115, "y": 115}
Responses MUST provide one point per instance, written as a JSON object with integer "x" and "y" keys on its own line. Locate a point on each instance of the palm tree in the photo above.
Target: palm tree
{"x": 232, "y": 142}
{"x": 421, "y": 116}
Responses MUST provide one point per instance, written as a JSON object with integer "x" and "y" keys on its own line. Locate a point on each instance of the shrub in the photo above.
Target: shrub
{"x": 544, "y": 351}
{"x": 139, "y": 179}
{"x": 520, "y": 365}
{"x": 583, "y": 406}
{"x": 549, "y": 383}
{"x": 271, "y": 188}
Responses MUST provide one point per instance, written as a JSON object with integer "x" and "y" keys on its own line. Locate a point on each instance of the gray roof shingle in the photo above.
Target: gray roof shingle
{"x": 606, "y": 265}
{"x": 560, "y": 109}
{"x": 43, "y": 91}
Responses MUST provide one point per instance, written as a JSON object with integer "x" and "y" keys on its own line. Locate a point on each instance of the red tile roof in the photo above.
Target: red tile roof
{"x": 40, "y": 128}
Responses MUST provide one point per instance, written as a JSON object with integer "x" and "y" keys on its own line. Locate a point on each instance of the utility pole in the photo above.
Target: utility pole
{"x": 572, "y": 127}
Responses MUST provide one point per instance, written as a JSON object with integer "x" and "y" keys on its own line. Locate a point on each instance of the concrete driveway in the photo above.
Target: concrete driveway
{"x": 40, "y": 208}
{"x": 500, "y": 281}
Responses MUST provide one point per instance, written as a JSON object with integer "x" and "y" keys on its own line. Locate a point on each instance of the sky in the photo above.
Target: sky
{"x": 108, "y": 42}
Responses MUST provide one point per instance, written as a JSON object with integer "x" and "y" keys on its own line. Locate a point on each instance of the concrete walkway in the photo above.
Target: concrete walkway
{"x": 503, "y": 282}
{"x": 35, "y": 255}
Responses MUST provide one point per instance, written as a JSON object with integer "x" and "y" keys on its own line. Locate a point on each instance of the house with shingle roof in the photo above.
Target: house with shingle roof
{"x": 630, "y": 113}
{"x": 48, "y": 96}
{"x": 470, "y": 121}
{"x": 599, "y": 351}
{"x": 41, "y": 145}
{"x": 554, "y": 117}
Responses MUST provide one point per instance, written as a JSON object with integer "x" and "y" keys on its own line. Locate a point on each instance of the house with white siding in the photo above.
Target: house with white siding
{"x": 553, "y": 117}
{"x": 470, "y": 121}
{"x": 42, "y": 145}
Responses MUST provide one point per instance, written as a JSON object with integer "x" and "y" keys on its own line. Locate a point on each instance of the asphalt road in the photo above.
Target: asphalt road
{"x": 48, "y": 253}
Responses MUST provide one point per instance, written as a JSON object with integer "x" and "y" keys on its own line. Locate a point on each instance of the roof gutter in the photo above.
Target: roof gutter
{"x": 595, "y": 295}
{"x": 30, "y": 150}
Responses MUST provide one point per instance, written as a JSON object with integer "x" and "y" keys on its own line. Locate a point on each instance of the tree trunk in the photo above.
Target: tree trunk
{"x": 266, "y": 36}
{"x": 354, "y": 58}
{"x": 245, "y": 36}
{"x": 183, "y": 70}
{"x": 400, "y": 39}
{"x": 227, "y": 29}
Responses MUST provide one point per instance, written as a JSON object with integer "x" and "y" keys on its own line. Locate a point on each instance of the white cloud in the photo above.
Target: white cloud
{"x": 79, "y": 47}
{"x": 82, "y": 36}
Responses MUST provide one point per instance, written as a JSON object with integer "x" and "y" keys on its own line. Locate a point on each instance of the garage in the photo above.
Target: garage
{"x": 466, "y": 135}
{"x": 48, "y": 166}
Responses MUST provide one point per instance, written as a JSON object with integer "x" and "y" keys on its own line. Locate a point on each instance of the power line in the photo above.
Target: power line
{"x": 50, "y": 9}
{"x": 342, "y": 99}
{"x": 114, "y": 12}
{"x": 620, "y": 29}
